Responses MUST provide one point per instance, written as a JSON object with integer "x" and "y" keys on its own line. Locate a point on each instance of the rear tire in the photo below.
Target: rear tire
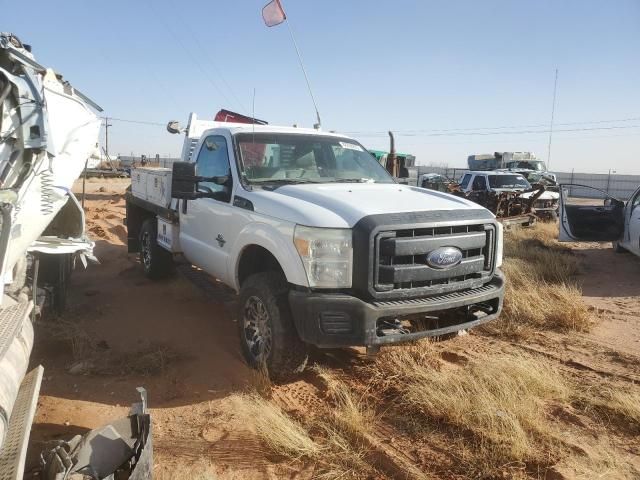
{"x": 156, "y": 261}
{"x": 54, "y": 271}
{"x": 268, "y": 337}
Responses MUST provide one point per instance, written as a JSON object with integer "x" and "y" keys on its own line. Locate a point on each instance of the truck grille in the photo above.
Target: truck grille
{"x": 400, "y": 259}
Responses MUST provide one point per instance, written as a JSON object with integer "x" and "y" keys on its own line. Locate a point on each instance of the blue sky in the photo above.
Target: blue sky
{"x": 406, "y": 65}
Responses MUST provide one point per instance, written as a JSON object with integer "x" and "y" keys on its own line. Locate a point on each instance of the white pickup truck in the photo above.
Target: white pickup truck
{"x": 320, "y": 242}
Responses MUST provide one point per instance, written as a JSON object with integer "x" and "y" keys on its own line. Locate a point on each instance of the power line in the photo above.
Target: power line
{"x": 458, "y": 132}
{"x": 538, "y": 125}
{"x": 141, "y": 122}
{"x": 185, "y": 48}
{"x": 513, "y": 132}
{"x": 205, "y": 54}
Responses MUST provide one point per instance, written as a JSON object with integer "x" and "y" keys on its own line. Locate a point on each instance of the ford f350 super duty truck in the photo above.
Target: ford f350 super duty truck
{"x": 320, "y": 242}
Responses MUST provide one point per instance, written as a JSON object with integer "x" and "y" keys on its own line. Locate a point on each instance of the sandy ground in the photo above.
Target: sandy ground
{"x": 195, "y": 432}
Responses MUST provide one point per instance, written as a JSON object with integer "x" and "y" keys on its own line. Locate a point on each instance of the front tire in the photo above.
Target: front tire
{"x": 618, "y": 248}
{"x": 268, "y": 336}
{"x": 156, "y": 261}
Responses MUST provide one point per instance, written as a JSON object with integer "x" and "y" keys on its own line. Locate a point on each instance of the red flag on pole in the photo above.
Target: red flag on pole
{"x": 273, "y": 13}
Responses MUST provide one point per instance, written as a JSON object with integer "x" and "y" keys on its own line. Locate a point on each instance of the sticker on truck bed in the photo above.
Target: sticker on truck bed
{"x": 351, "y": 146}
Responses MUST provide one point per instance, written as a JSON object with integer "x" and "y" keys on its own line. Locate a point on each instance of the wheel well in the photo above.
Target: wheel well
{"x": 135, "y": 218}
{"x": 256, "y": 259}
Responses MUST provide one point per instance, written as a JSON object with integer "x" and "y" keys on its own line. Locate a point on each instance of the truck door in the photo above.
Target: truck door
{"x": 589, "y": 214}
{"x": 205, "y": 226}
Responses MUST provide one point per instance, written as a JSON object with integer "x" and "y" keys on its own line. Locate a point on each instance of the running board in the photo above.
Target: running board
{"x": 14, "y": 450}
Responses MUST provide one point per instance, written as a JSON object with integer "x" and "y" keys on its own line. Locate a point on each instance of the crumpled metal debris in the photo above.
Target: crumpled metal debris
{"x": 120, "y": 450}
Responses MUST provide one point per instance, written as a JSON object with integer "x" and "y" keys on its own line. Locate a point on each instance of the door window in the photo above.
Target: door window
{"x": 465, "y": 181}
{"x": 213, "y": 161}
{"x": 479, "y": 183}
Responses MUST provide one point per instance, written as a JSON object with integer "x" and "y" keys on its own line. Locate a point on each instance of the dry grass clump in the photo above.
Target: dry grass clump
{"x": 352, "y": 414}
{"x": 499, "y": 400}
{"x": 318, "y": 439}
{"x": 152, "y": 360}
{"x": 620, "y": 402}
{"x": 91, "y": 357}
{"x": 541, "y": 291}
{"x": 597, "y": 458}
{"x": 533, "y": 303}
{"x": 280, "y": 432}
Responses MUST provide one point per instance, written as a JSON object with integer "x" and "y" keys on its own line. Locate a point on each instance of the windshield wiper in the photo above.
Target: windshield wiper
{"x": 283, "y": 181}
{"x": 351, "y": 180}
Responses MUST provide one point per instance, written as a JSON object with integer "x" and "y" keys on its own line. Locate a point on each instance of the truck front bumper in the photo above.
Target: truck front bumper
{"x": 338, "y": 320}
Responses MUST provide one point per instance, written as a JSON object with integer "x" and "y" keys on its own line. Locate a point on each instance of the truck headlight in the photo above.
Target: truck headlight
{"x": 499, "y": 245}
{"x": 327, "y": 255}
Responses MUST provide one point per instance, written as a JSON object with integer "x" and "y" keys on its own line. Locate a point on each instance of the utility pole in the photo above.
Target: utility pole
{"x": 106, "y": 136}
{"x": 553, "y": 111}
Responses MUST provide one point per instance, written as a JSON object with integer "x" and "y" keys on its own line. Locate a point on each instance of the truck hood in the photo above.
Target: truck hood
{"x": 342, "y": 205}
{"x": 546, "y": 195}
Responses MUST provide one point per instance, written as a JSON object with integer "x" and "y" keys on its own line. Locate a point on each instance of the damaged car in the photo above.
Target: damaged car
{"x": 509, "y": 196}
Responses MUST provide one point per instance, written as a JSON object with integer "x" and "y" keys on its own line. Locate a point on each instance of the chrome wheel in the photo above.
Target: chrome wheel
{"x": 257, "y": 328}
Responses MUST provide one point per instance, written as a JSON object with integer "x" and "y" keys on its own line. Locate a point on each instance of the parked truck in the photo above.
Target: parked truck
{"x": 322, "y": 245}
{"x": 524, "y": 163}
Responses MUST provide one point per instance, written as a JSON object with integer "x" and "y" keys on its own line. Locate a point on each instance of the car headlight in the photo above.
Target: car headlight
{"x": 327, "y": 255}
{"x": 499, "y": 245}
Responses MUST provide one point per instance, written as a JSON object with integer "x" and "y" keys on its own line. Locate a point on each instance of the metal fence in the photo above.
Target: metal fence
{"x": 618, "y": 186}
{"x": 147, "y": 160}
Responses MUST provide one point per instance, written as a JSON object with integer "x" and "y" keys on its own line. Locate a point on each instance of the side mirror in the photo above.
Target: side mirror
{"x": 184, "y": 181}
{"x": 174, "y": 127}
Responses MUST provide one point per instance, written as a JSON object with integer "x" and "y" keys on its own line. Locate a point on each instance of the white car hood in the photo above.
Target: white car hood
{"x": 546, "y": 195}
{"x": 342, "y": 205}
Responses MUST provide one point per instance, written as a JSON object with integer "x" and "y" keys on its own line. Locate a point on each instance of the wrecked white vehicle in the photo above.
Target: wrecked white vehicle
{"x": 48, "y": 130}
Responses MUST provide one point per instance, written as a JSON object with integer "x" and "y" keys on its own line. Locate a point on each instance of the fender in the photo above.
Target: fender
{"x": 278, "y": 240}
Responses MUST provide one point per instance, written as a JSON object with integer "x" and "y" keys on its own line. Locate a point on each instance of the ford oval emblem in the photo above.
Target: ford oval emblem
{"x": 444, "y": 257}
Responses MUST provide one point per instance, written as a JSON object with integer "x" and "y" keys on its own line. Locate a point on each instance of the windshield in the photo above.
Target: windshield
{"x": 537, "y": 165}
{"x": 508, "y": 181}
{"x": 284, "y": 158}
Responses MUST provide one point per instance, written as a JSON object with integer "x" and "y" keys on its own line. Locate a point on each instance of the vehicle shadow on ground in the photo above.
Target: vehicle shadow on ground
{"x": 122, "y": 330}
{"x": 606, "y": 273}
{"x": 177, "y": 337}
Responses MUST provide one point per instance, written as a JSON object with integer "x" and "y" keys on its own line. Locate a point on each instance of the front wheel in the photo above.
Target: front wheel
{"x": 268, "y": 336}
{"x": 618, "y": 248}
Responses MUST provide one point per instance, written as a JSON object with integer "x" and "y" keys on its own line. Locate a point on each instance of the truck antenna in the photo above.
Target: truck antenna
{"x": 553, "y": 110}
{"x": 306, "y": 77}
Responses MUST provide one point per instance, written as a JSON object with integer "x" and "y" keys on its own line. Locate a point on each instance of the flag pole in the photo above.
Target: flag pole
{"x": 553, "y": 111}
{"x": 304, "y": 71}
